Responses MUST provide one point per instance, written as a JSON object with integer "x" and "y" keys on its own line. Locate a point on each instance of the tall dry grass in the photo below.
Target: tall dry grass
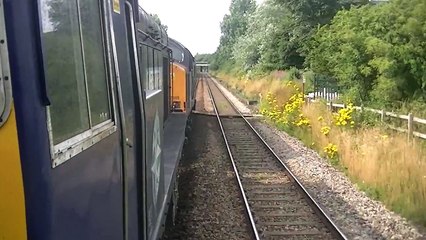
{"x": 385, "y": 165}
{"x": 255, "y": 89}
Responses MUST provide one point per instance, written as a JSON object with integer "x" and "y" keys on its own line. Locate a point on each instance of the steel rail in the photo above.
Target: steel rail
{"x": 334, "y": 229}
{"x": 240, "y": 185}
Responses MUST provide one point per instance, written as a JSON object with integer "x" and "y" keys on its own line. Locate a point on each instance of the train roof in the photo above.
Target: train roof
{"x": 147, "y": 26}
{"x": 181, "y": 54}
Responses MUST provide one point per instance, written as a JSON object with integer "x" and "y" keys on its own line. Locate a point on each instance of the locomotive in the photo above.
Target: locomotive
{"x": 95, "y": 100}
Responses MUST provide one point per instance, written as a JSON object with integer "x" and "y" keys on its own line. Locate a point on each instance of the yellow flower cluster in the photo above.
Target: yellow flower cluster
{"x": 331, "y": 150}
{"x": 344, "y": 116}
{"x": 325, "y": 130}
{"x": 303, "y": 121}
{"x": 290, "y": 112}
{"x": 294, "y": 103}
{"x": 271, "y": 110}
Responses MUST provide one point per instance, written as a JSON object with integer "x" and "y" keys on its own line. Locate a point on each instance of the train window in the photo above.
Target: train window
{"x": 76, "y": 74}
{"x": 143, "y": 50}
{"x": 160, "y": 70}
{"x": 156, "y": 68}
{"x": 150, "y": 69}
{"x": 95, "y": 61}
{"x": 61, "y": 37}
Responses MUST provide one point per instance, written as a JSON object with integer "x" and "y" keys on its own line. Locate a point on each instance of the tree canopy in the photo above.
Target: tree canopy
{"x": 375, "y": 52}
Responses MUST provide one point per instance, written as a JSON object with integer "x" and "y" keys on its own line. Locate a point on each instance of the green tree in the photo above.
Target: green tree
{"x": 203, "y": 57}
{"x": 233, "y": 26}
{"x": 377, "y": 53}
{"x": 158, "y": 21}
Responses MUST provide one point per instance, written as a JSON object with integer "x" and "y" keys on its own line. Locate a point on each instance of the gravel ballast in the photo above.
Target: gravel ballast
{"x": 203, "y": 100}
{"x": 240, "y": 106}
{"x": 209, "y": 206}
{"x": 358, "y": 216}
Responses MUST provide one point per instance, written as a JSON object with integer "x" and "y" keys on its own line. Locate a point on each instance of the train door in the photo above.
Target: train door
{"x": 135, "y": 201}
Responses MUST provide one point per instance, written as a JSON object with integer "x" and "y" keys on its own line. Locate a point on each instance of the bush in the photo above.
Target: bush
{"x": 294, "y": 74}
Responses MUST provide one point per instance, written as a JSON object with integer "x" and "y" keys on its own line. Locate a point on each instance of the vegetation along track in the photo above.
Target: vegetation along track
{"x": 277, "y": 205}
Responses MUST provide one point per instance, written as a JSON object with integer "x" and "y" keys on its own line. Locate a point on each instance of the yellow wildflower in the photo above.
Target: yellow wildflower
{"x": 325, "y": 130}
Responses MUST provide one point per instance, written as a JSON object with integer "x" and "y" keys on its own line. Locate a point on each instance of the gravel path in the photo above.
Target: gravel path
{"x": 352, "y": 210}
{"x": 209, "y": 204}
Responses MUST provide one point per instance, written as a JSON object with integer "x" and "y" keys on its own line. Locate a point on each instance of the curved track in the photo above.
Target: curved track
{"x": 277, "y": 205}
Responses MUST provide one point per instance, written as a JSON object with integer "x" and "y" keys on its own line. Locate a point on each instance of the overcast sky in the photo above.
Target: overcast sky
{"x": 194, "y": 23}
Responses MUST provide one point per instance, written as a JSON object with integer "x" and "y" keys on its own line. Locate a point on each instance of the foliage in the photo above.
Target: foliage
{"x": 273, "y": 36}
{"x": 204, "y": 57}
{"x": 288, "y": 114}
{"x": 330, "y": 150}
{"x": 344, "y": 116}
{"x": 232, "y": 27}
{"x": 157, "y": 20}
{"x": 377, "y": 53}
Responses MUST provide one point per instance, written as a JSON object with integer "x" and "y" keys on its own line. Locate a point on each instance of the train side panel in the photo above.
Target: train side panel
{"x": 155, "y": 166}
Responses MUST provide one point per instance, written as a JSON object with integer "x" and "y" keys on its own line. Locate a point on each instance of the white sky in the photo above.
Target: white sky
{"x": 194, "y": 23}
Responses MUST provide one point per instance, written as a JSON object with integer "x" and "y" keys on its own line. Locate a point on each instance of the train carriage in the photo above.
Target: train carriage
{"x": 184, "y": 78}
{"x": 89, "y": 142}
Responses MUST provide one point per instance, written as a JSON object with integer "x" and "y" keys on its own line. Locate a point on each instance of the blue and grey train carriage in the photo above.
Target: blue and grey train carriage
{"x": 89, "y": 144}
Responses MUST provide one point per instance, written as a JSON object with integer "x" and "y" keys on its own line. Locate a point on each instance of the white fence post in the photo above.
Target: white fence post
{"x": 410, "y": 126}
{"x": 382, "y": 115}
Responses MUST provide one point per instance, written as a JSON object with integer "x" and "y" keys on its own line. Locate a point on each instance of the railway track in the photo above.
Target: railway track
{"x": 277, "y": 205}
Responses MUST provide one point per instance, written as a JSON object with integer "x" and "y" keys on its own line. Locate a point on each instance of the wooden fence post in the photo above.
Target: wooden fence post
{"x": 331, "y": 106}
{"x": 410, "y": 126}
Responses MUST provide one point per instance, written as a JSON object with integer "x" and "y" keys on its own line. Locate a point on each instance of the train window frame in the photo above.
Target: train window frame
{"x": 150, "y": 91}
{"x": 65, "y": 150}
{"x": 5, "y": 77}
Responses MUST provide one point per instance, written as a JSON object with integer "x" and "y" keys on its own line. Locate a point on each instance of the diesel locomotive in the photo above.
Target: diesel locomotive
{"x": 95, "y": 100}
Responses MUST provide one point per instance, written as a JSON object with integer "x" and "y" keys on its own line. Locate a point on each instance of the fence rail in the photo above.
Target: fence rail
{"x": 410, "y": 118}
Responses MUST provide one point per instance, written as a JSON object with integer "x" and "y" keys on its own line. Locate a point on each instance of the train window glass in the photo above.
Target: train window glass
{"x": 142, "y": 65}
{"x": 156, "y": 68}
{"x": 160, "y": 70}
{"x": 63, "y": 60}
{"x": 150, "y": 69}
{"x": 80, "y": 114}
{"x": 96, "y": 74}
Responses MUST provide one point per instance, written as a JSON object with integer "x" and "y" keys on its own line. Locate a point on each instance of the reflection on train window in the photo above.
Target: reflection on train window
{"x": 142, "y": 65}
{"x": 150, "y": 69}
{"x": 94, "y": 61}
{"x": 160, "y": 71}
{"x": 76, "y": 75}
{"x": 156, "y": 68}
